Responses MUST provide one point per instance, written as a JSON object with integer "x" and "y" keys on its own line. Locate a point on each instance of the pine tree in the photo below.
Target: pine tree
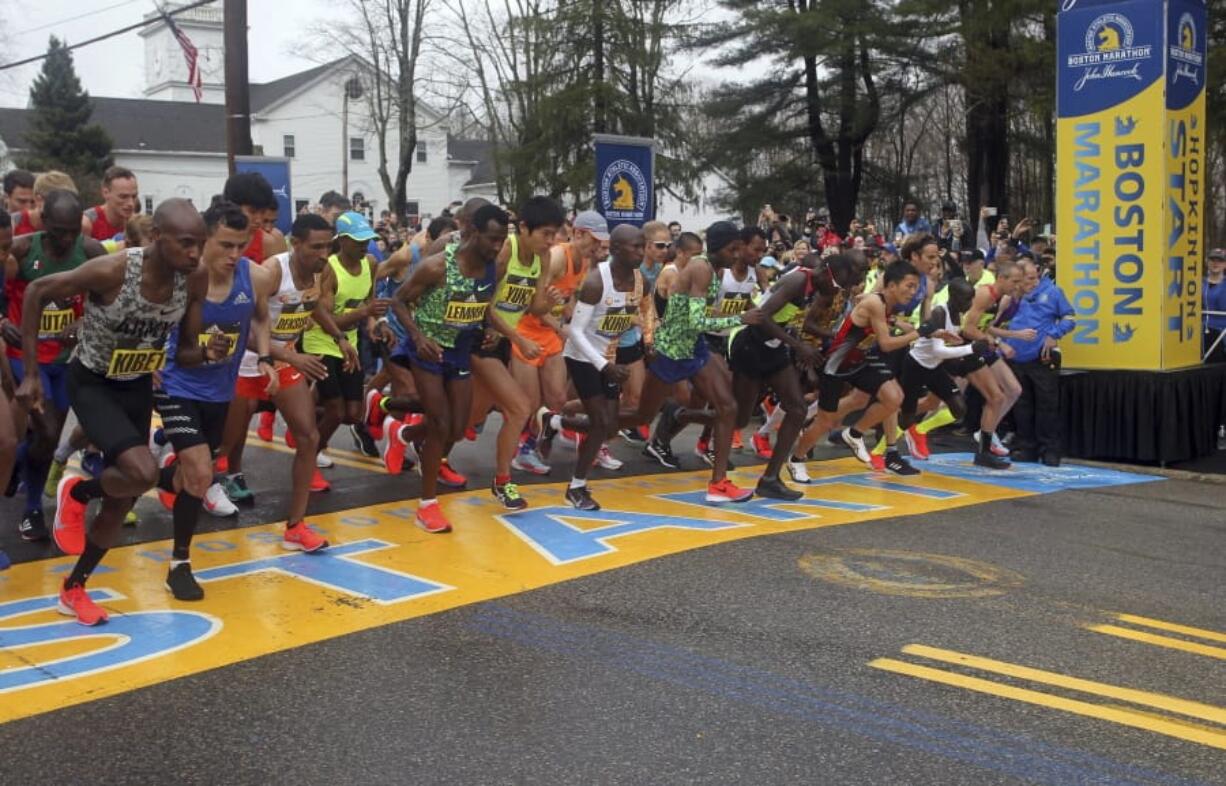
{"x": 60, "y": 135}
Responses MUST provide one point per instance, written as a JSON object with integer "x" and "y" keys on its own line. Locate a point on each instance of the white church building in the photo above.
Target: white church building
{"x": 177, "y": 147}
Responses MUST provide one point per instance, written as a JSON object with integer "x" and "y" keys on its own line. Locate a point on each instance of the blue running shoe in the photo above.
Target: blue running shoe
{"x": 92, "y": 463}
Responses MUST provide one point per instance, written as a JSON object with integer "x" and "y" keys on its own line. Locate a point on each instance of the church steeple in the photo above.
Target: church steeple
{"x": 165, "y": 67}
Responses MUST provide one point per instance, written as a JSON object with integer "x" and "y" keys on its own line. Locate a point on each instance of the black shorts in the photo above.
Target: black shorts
{"x": 716, "y": 343}
{"x": 589, "y": 382}
{"x": 188, "y": 423}
{"x": 869, "y": 377}
{"x": 962, "y": 367}
{"x": 115, "y": 415}
{"x": 631, "y": 354}
{"x": 500, "y": 351}
{"x": 751, "y": 357}
{"x": 916, "y": 381}
{"x": 347, "y": 385}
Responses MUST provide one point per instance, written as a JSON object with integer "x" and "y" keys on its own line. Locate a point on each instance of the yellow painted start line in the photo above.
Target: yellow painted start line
{"x": 381, "y": 569}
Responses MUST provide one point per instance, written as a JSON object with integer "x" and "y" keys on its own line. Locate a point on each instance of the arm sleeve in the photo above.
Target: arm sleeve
{"x": 945, "y": 352}
{"x": 579, "y": 321}
{"x": 707, "y": 324}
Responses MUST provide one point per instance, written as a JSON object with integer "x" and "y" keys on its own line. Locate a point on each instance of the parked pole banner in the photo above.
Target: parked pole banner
{"x": 1130, "y": 155}
{"x": 277, "y": 172}
{"x": 625, "y": 167}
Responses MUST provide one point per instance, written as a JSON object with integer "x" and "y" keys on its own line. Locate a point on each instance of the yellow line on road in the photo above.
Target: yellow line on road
{"x": 1170, "y": 728}
{"x": 1156, "y": 700}
{"x": 362, "y": 462}
{"x": 1161, "y": 641}
{"x": 1171, "y": 627}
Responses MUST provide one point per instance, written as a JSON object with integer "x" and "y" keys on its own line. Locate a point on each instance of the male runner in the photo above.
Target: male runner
{"x": 443, "y": 309}
{"x": 119, "y": 203}
{"x": 252, "y": 192}
{"x": 30, "y": 220}
{"x": 18, "y": 191}
{"x": 8, "y": 429}
{"x": 59, "y": 247}
{"x": 194, "y": 399}
{"x": 133, "y": 300}
{"x": 659, "y": 245}
{"x": 346, "y": 294}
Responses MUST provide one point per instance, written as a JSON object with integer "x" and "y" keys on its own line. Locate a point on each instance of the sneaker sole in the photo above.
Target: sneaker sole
{"x": 185, "y": 600}
{"x": 289, "y": 546}
{"x": 719, "y": 498}
{"x": 67, "y": 612}
{"x": 610, "y": 467}
{"x": 530, "y": 469}
{"x": 429, "y": 531}
{"x": 35, "y": 538}
{"x": 663, "y": 461}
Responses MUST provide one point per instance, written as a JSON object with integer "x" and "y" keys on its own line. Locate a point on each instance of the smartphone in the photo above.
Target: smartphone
{"x": 1047, "y": 230}
{"x": 991, "y": 211}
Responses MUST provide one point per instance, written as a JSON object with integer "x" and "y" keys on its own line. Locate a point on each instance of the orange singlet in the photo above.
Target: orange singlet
{"x": 531, "y": 326}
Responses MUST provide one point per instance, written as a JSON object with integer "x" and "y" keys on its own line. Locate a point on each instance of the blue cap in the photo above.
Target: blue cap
{"x": 891, "y": 248}
{"x": 354, "y": 225}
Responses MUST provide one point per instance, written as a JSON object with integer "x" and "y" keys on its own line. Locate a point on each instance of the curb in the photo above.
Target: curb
{"x": 1170, "y": 474}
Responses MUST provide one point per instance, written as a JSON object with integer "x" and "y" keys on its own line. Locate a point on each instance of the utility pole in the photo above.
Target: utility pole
{"x": 238, "y": 95}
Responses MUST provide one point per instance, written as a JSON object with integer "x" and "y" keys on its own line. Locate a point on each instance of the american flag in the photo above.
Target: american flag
{"x": 190, "y": 54}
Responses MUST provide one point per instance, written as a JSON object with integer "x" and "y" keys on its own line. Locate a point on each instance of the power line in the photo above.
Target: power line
{"x": 112, "y": 34}
{"x": 66, "y": 20}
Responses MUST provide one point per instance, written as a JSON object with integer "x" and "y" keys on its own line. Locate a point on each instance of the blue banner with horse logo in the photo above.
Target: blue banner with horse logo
{"x": 624, "y": 186}
{"x": 276, "y": 172}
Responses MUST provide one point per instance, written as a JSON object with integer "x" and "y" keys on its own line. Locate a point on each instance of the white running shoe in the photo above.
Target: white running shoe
{"x": 528, "y": 461}
{"x": 857, "y": 446}
{"x": 798, "y": 471}
{"x": 217, "y": 503}
{"x": 606, "y": 460}
{"x": 322, "y": 461}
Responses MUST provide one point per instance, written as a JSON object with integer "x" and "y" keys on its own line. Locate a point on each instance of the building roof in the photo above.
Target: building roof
{"x": 263, "y": 96}
{"x": 478, "y": 151}
{"x": 141, "y": 124}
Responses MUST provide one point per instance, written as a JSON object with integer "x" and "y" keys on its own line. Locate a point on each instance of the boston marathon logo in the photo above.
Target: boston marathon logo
{"x": 1109, "y": 52}
{"x": 623, "y": 191}
{"x": 1187, "y": 61}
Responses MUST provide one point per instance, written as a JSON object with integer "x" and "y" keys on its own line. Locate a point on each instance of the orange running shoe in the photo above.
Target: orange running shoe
{"x": 450, "y": 478}
{"x": 431, "y": 519}
{"x": 737, "y": 442}
{"x": 69, "y": 524}
{"x": 318, "y": 483}
{"x": 917, "y": 443}
{"x": 762, "y": 445}
{"x": 877, "y": 462}
{"x": 393, "y": 454}
{"x": 167, "y": 498}
{"x": 726, "y": 491}
{"x": 222, "y": 465}
{"x": 301, "y": 537}
{"x": 267, "y": 420}
{"x": 75, "y": 602}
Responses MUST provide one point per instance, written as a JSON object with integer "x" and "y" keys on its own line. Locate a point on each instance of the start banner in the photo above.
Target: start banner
{"x": 1129, "y": 193}
{"x": 625, "y": 191}
{"x": 277, "y": 172}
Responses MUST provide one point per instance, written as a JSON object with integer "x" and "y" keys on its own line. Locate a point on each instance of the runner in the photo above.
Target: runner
{"x": 30, "y": 220}
{"x": 8, "y": 430}
{"x": 134, "y": 299}
{"x": 443, "y": 308}
{"x": 119, "y": 203}
{"x": 251, "y": 192}
{"x": 18, "y": 192}
{"x": 346, "y": 295}
{"x": 193, "y": 400}
{"x": 59, "y": 247}
{"x": 660, "y": 245}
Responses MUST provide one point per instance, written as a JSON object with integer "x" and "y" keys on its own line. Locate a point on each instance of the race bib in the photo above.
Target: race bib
{"x": 290, "y": 325}
{"x": 54, "y": 321}
{"x": 461, "y": 314}
{"x": 614, "y": 323}
{"x": 734, "y": 305}
{"x": 231, "y": 332}
{"x": 135, "y": 362}
{"x": 517, "y": 296}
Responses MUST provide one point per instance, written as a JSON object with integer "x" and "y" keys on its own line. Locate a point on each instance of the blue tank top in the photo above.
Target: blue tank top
{"x": 215, "y": 381}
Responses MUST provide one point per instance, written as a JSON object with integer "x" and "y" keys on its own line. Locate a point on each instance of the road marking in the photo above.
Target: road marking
{"x": 1171, "y": 728}
{"x": 1158, "y": 701}
{"x": 909, "y": 573}
{"x": 1161, "y": 641}
{"x": 1187, "y": 630}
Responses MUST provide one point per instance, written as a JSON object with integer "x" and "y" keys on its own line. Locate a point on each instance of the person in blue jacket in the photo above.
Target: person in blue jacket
{"x": 1036, "y": 363}
{"x": 1215, "y": 300}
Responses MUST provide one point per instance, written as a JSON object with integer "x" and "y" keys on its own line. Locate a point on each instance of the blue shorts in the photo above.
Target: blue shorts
{"x": 671, "y": 371}
{"x": 455, "y": 363}
{"x": 55, "y": 381}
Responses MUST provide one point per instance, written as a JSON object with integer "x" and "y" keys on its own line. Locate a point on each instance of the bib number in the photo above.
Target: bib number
{"x": 135, "y": 362}
{"x": 54, "y": 322}
{"x": 463, "y": 314}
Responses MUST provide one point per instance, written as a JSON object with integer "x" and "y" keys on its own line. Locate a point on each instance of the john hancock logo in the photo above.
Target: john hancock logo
{"x": 1110, "y": 53}
{"x": 623, "y": 190}
{"x": 1188, "y": 62}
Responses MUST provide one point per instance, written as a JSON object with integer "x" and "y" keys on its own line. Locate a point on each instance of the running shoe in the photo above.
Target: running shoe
{"x": 737, "y": 441}
{"x": 265, "y": 430}
{"x": 526, "y": 460}
{"x": 508, "y": 495}
{"x": 75, "y": 602}
{"x": 632, "y": 435}
{"x": 431, "y": 519}
{"x": 661, "y": 453}
{"x": 545, "y": 432}
{"x": 726, "y": 491}
{"x": 702, "y": 449}
{"x": 33, "y": 526}
{"x": 323, "y": 461}
{"x": 644, "y": 432}
{"x": 393, "y": 453}
{"x": 374, "y": 414}
{"x": 449, "y": 477}
{"x": 92, "y": 463}
{"x": 319, "y": 483}
{"x": 606, "y": 460}
{"x": 301, "y": 537}
{"x": 222, "y": 465}
{"x": 363, "y": 441}
{"x": 580, "y": 498}
{"x": 917, "y": 444}
{"x": 218, "y": 503}
{"x": 857, "y": 446}
{"x": 990, "y": 460}
{"x": 237, "y": 490}
{"x": 182, "y": 584}
{"x": 167, "y": 498}
{"x": 798, "y": 471}
{"x": 878, "y": 463}
{"x": 897, "y": 465}
{"x": 998, "y": 447}
{"x": 774, "y": 489}
{"x": 68, "y": 526}
{"x": 762, "y": 445}
{"x": 54, "y": 475}
{"x": 5, "y": 562}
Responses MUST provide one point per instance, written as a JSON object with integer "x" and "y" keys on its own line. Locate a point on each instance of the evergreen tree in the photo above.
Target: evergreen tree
{"x": 60, "y": 134}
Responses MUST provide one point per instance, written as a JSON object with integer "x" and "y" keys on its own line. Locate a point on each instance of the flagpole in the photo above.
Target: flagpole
{"x": 238, "y": 96}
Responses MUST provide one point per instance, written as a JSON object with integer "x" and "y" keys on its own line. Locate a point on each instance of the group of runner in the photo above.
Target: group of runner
{"x": 560, "y": 326}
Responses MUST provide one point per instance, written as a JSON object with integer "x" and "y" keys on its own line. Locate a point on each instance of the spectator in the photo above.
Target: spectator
{"x": 1215, "y": 300}
{"x": 674, "y": 229}
{"x": 331, "y": 205}
{"x": 1045, "y": 313}
{"x": 951, "y": 231}
{"x": 912, "y": 223}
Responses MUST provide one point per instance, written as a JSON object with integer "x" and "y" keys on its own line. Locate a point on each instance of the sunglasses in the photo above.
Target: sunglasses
{"x": 661, "y": 244}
